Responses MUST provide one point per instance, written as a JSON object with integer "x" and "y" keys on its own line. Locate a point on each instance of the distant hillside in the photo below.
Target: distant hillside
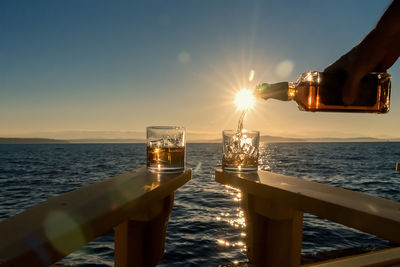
{"x": 355, "y": 139}
{"x": 124, "y": 141}
{"x": 4, "y": 140}
{"x": 217, "y": 140}
{"x": 277, "y": 139}
{"x": 106, "y": 141}
{"x": 263, "y": 139}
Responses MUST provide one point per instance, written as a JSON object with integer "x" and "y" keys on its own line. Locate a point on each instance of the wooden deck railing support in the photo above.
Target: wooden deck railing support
{"x": 137, "y": 204}
{"x": 271, "y": 226}
{"x": 274, "y": 205}
{"x": 140, "y": 240}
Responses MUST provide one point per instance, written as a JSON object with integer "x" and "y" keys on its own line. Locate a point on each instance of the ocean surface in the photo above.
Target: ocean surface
{"x": 207, "y": 225}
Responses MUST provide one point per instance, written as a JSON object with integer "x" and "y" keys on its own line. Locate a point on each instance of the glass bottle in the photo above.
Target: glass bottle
{"x": 319, "y": 91}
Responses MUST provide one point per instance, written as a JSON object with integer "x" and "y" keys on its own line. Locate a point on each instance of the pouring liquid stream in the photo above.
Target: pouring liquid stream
{"x": 244, "y": 112}
{"x": 240, "y": 123}
{"x": 240, "y": 153}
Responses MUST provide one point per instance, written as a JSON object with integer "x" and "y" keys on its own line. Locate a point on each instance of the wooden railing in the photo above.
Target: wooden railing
{"x": 274, "y": 205}
{"x": 136, "y": 204}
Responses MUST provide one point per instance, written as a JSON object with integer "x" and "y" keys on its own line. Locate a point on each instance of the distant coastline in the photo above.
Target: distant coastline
{"x": 5, "y": 140}
{"x": 263, "y": 139}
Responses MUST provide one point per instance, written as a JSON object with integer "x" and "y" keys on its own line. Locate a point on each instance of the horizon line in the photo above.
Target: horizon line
{"x": 265, "y": 139}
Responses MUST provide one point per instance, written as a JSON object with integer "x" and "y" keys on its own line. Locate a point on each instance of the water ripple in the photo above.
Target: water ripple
{"x": 207, "y": 224}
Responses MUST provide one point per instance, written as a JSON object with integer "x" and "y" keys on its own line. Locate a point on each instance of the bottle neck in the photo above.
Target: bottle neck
{"x": 279, "y": 91}
{"x": 291, "y": 91}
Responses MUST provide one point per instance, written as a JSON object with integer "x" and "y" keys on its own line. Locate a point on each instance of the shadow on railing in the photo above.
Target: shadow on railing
{"x": 274, "y": 205}
{"x": 136, "y": 204}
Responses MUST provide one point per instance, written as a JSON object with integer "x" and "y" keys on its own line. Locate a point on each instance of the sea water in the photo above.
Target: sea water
{"x": 206, "y": 225}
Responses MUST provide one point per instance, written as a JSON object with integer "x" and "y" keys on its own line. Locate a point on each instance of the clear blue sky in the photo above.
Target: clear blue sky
{"x": 94, "y": 68}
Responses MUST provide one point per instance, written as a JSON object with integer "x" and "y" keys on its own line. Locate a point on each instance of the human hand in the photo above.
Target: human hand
{"x": 377, "y": 52}
{"x": 374, "y": 54}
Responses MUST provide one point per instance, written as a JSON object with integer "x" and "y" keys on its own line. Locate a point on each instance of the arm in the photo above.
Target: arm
{"x": 377, "y": 52}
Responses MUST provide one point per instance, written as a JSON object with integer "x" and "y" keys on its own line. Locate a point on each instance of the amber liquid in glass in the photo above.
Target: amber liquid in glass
{"x": 239, "y": 159}
{"x": 240, "y": 149}
{"x": 166, "y": 158}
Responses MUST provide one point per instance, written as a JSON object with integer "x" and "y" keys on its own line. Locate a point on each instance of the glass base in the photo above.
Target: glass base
{"x": 240, "y": 168}
{"x": 165, "y": 169}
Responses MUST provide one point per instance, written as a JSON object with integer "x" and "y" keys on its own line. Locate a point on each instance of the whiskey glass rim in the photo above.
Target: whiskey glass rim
{"x": 166, "y": 127}
{"x": 243, "y": 131}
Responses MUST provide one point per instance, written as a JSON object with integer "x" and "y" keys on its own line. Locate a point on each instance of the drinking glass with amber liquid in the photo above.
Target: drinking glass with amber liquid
{"x": 166, "y": 149}
{"x": 240, "y": 150}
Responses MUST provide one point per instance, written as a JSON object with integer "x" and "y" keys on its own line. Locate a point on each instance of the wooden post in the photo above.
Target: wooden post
{"x": 64, "y": 223}
{"x": 140, "y": 241}
{"x": 273, "y": 205}
{"x": 274, "y": 232}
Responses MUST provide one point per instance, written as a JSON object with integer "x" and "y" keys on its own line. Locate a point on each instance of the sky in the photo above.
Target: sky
{"x": 108, "y": 69}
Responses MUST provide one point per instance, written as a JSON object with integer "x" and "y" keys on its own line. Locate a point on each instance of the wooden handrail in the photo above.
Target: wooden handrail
{"x": 272, "y": 200}
{"x": 381, "y": 258}
{"x": 47, "y": 232}
{"x": 371, "y": 214}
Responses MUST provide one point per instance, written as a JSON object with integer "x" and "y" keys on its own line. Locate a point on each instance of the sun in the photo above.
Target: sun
{"x": 245, "y": 99}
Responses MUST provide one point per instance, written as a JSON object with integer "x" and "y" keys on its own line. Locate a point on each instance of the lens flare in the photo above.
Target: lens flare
{"x": 251, "y": 75}
{"x": 245, "y": 99}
